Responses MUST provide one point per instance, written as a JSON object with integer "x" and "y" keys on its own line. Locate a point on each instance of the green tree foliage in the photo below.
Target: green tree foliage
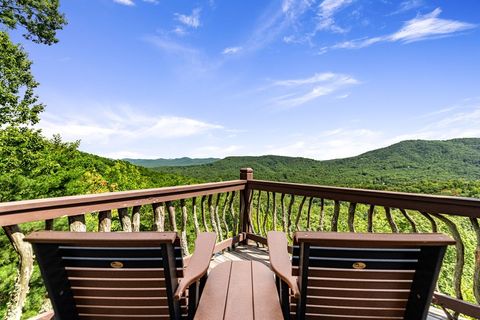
{"x": 40, "y": 18}
{"x": 18, "y": 102}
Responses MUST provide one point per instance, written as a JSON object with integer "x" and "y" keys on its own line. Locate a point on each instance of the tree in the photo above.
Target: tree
{"x": 41, "y": 19}
{"x": 18, "y": 103}
{"x": 19, "y": 108}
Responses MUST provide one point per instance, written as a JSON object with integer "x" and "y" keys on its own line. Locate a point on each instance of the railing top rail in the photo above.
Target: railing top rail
{"x": 43, "y": 209}
{"x": 462, "y": 206}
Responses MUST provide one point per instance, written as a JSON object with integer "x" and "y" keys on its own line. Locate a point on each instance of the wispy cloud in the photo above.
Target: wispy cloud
{"x": 192, "y": 21}
{"x": 422, "y": 27}
{"x": 326, "y": 13}
{"x": 301, "y": 91}
{"x": 231, "y": 50}
{"x": 125, "y": 2}
{"x": 408, "y": 5}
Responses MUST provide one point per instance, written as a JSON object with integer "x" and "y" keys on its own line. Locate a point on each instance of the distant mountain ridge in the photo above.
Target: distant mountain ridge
{"x": 177, "y": 162}
{"x": 406, "y": 163}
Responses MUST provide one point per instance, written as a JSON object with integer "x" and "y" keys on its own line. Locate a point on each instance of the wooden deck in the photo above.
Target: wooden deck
{"x": 260, "y": 253}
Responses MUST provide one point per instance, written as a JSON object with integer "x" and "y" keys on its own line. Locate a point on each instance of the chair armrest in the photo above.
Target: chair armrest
{"x": 280, "y": 260}
{"x": 48, "y": 315}
{"x": 199, "y": 262}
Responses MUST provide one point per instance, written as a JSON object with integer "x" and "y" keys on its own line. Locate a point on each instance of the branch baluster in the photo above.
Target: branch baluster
{"x": 183, "y": 236}
{"x": 351, "y": 216}
{"x": 136, "y": 218}
{"x": 371, "y": 212}
{"x": 224, "y": 217}
{"x": 336, "y": 215}
{"x": 158, "y": 217}
{"x": 391, "y": 222}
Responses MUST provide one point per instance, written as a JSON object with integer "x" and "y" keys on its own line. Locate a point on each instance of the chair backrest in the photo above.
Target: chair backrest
{"x": 118, "y": 275}
{"x": 366, "y": 276}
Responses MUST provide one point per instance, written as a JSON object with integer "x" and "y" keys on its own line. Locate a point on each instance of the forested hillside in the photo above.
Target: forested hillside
{"x": 177, "y": 162}
{"x": 447, "y": 167}
{"x": 32, "y": 167}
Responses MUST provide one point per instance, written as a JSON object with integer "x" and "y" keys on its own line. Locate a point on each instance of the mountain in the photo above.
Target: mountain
{"x": 413, "y": 165}
{"x": 178, "y": 162}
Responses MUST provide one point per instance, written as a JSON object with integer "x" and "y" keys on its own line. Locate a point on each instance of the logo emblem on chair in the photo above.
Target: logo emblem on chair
{"x": 359, "y": 265}
{"x": 116, "y": 264}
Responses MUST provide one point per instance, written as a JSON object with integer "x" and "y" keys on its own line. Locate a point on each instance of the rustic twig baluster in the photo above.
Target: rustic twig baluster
{"x": 224, "y": 216}
{"x": 391, "y": 222}
{"x": 232, "y": 212}
{"x": 171, "y": 216}
{"x": 371, "y": 212}
{"x": 321, "y": 214}
{"x": 289, "y": 216}
{"x": 24, "y": 271}
{"x": 336, "y": 215}
{"x": 284, "y": 213}
{"x": 300, "y": 209}
{"x": 183, "y": 236}
{"x": 351, "y": 216}
{"x": 105, "y": 221}
{"x": 125, "y": 220}
{"x": 265, "y": 216}
{"x": 212, "y": 215}
{"x": 195, "y": 218}
{"x": 257, "y": 217}
{"x": 158, "y": 217}
{"x": 136, "y": 218}
{"x": 432, "y": 221}
{"x": 476, "y": 274}
{"x": 460, "y": 260}
{"x": 77, "y": 223}
{"x": 217, "y": 218}
{"x": 274, "y": 210}
{"x": 410, "y": 220}
{"x": 204, "y": 218}
{"x": 309, "y": 213}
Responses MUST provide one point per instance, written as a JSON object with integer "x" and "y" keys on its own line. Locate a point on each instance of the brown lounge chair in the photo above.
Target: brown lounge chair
{"x": 357, "y": 276}
{"x": 97, "y": 275}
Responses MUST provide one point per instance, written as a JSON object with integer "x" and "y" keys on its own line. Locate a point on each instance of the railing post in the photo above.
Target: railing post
{"x": 245, "y": 195}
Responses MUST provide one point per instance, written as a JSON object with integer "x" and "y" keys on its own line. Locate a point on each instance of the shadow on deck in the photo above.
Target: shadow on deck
{"x": 260, "y": 254}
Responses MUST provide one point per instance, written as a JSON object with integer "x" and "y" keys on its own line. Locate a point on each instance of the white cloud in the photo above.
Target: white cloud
{"x": 125, "y": 2}
{"x": 326, "y": 13}
{"x": 231, "y": 50}
{"x": 408, "y": 5}
{"x": 124, "y": 124}
{"x": 422, "y": 27}
{"x": 311, "y": 88}
{"x": 330, "y": 144}
{"x": 192, "y": 20}
{"x": 428, "y": 26}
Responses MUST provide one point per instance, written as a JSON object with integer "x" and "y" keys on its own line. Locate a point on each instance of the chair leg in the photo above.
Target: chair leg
{"x": 285, "y": 299}
{"x": 193, "y": 297}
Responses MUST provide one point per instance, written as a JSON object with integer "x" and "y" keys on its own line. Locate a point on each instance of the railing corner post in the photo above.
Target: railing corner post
{"x": 245, "y": 174}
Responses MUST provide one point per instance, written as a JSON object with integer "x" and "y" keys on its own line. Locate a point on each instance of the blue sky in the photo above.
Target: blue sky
{"x": 320, "y": 79}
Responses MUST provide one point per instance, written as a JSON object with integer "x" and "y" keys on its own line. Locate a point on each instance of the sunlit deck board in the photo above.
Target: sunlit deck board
{"x": 260, "y": 253}
{"x": 242, "y": 252}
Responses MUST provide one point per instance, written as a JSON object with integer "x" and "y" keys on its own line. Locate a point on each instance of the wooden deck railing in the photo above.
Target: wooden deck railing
{"x": 247, "y": 209}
